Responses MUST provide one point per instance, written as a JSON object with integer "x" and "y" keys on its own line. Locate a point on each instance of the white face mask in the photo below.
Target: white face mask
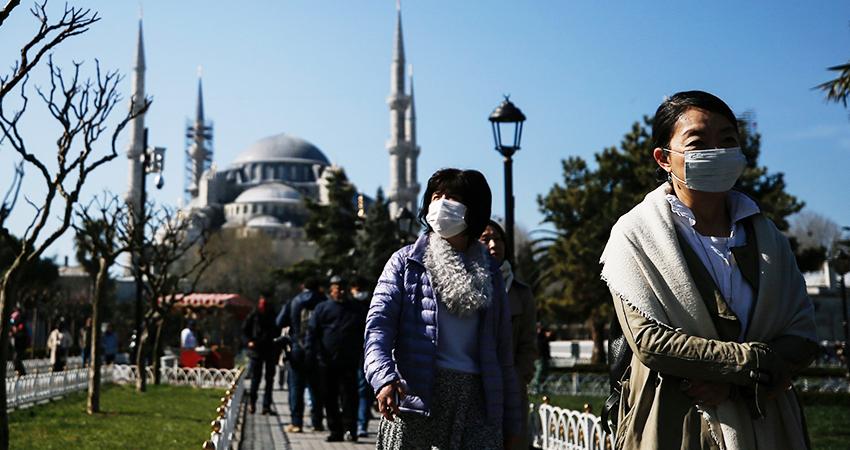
{"x": 360, "y": 295}
{"x": 446, "y": 217}
{"x": 714, "y": 170}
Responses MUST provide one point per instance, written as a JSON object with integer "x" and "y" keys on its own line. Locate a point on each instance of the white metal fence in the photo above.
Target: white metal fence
{"x": 39, "y": 387}
{"x": 223, "y": 427}
{"x": 39, "y": 365}
{"x": 181, "y": 376}
{"x": 556, "y": 428}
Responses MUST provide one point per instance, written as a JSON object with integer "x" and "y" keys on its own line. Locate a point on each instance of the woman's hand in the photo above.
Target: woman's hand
{"x": 388, "y": 398}
{"x": 705, "y": 392}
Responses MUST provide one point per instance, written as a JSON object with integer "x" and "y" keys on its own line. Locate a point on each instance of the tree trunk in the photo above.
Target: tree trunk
{"x": 142, "y": 379}
{"x": 597, "y": 335}
{"x": 6, "y": 290}
{"x": 155, "y": 352}
{"x": 93, "y": 403}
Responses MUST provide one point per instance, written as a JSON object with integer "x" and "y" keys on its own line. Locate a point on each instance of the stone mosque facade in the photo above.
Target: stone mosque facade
{"x": 263, "y": 190}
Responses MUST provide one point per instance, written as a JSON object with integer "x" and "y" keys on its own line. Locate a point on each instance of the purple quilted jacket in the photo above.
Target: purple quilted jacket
{"x": 401, "y": 339}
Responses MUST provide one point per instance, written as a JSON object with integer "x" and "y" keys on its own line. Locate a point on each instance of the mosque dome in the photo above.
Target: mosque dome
{"x": 269, "y": 193}
{"x": 282, "y": 148}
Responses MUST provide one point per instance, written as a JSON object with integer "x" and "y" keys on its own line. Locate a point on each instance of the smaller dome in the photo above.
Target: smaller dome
{"x": 264, "y": 222}
{"x": 269, "y": 193}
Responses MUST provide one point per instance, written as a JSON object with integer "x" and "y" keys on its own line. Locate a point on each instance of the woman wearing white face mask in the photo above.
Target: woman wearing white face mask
{"x": 708, "y": 297}
{"x": 438, "y": 333}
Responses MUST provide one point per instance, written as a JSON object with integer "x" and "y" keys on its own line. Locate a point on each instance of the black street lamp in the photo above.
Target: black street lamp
{"x": 841, "y": 265}
{"x": 153, "y": 161}
{"x": 507, "y": 118}
{"x": 406, "y": 220}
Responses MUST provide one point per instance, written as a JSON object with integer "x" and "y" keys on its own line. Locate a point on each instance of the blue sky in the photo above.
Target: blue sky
{"x": 582, "y": 72}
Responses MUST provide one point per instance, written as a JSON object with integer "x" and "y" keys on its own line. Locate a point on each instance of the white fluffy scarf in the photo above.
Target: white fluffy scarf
{"x": 463, "y": 288}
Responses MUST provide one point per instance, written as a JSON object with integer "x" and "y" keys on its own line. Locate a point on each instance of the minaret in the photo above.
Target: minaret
{"x": 412, "y": 153}
{"x": 199, "y": 151}
{"x": 397, "y": 143}
{"x": 137, "y": 128}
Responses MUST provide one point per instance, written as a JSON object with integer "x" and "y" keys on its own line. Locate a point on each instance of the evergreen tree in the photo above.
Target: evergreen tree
{"x": 378, "y": 239}
{"x": 333, "y": 226}
{"x": 585, "y": 205}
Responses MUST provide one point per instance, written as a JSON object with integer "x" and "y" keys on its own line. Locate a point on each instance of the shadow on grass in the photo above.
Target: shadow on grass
{"x": 163, "y": 417}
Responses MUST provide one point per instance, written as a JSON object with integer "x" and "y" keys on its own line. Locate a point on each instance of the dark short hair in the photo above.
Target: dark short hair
{"x": 672, "y": 108}
{"x": 471, "y": 186}
{"x": 311, "y": 284}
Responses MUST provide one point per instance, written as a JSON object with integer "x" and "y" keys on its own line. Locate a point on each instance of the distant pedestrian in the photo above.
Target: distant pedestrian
{"x": 364, "y": 390}
{"x": 109, "y": 343}
{"x": 58, "y": 343}
{"x": 541, "y": 365}
{"x": 523, "y": 318}
{"x": 335, "y": 337}
{"x": 188, "y": 340}
{"x": 85, "y": 341}
{"x": 439, "y": 351}
{"x": 20, "y": 340}
{"x": 302, "y": 371}
{"x": 260, "y": 332}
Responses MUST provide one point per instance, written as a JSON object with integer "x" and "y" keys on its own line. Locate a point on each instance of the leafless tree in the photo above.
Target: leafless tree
{"x": 812, "y": 229}
{"x": 102, "y": 234}
{"x": 173, "y": 259}
{"x": 81, "y": 108}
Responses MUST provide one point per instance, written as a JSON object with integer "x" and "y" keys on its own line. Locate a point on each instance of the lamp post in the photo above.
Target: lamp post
{"x": 153, "y": 161}
{"x": 507, "y": 118}
{"x": 841, "y": 265}
{"x": 405, "y": 220}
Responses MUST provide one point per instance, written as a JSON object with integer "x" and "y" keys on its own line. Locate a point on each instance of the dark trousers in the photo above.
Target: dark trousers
{"x": 300, "y": 379}
{"x": 367, "y": 398}
{"x": 257, "y": 365}
{"x": 18, "y": 361}
{"x": 339, "y": 386}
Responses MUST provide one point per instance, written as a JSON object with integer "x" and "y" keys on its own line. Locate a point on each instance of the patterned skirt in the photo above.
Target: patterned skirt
{"x": 458, "y": 419}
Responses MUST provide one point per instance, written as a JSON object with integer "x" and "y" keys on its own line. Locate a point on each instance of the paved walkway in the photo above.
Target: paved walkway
{"x": 266, "y": 432}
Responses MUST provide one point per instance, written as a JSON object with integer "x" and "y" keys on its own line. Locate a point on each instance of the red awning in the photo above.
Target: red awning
{"x": 204, "y": 300}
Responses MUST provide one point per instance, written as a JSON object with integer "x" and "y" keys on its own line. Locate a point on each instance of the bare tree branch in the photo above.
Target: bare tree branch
{"x": 73, "y": 22}
{"x": 12, "y": 193}
{"x": 7, "y": 10}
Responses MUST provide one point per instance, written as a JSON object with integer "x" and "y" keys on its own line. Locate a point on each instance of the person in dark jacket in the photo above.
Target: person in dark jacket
{"x": 335, "y": 339}
{"x": 523, "y": 317}
{"x": 302, "y": 372}
{"x": 260, "y": 331}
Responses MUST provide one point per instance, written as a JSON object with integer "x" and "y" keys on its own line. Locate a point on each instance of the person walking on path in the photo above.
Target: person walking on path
{"x": 109, "y": 342}
{"x": 260, "y": 332}
{"x": 709, "y": 298}
{"x": 20, "y": 340}
{"x": 523, "y": 318}
{"x": 58, "y": 343}
{"x": 85, "y": 341}
{"x": 364, "y": 391}
{"x": 335, "y": 340}
{"x": 302, "y": 372}
{"x": 541, "y": 365}
{"x": 438, "y": 346}
{"x": 188, "y": 341}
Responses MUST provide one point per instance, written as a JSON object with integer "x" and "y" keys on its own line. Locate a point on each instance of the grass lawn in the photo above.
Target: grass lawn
{"x": 164, "y": 417}
{"x": 828, "y": 416}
